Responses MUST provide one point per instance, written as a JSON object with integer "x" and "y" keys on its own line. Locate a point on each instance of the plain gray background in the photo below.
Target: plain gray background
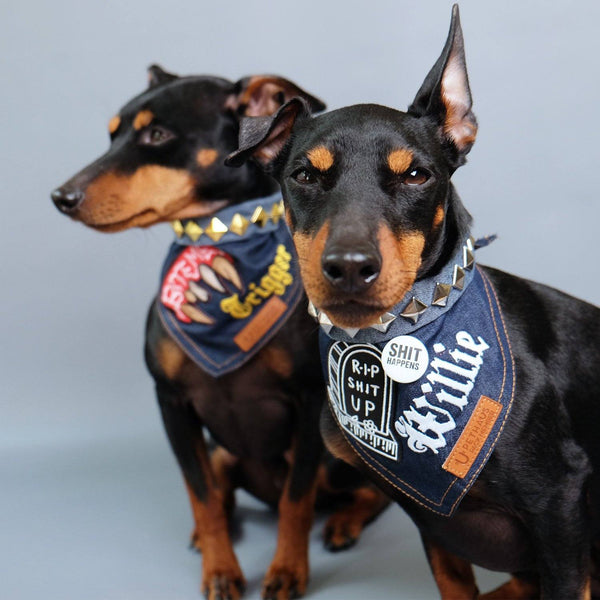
{"x": 91, "y": 502}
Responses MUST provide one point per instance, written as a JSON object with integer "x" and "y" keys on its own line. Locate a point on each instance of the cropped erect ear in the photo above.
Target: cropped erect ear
{"x": 157, "y": 76}
{"x": 262, "y": 95}
{"x": 263, "y": 138}
{"x": 445, "y": 94}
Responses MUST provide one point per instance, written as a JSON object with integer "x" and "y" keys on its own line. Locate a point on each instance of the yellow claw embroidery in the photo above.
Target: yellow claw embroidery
{"x": 277, "y": 279}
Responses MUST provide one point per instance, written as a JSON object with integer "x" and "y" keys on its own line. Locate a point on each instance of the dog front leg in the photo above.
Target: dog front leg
{"x": 288, "y": 574}
{"x": 221, "y": 574}
{"x": 453, "y": 576}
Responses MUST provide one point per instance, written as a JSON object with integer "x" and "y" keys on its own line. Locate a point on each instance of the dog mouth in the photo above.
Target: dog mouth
{"x": 143, "y": 219}
{"x": 353, "y": 313}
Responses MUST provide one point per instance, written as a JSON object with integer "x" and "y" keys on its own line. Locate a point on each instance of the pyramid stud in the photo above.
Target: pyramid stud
{"x": 441, "y": 293}
{"x": 471, "y": 243}
{"x": 351, "y": 331}
{"x": 193, "y": 230}
{"x": 414, "y": 309}
{"x": 239, "y": 224}
{"x": 384, "y": 322}
{"x": 216, "y": 230}
{"x": 277, "y": 211}
{"x": 312, "y": 310}
{"x": 260, "y": 216}
{"x": 458, "y": 278}
{"x": 325, "y": 322}
{"x": 178, "y": 228}
{"x": 468, "y": 258}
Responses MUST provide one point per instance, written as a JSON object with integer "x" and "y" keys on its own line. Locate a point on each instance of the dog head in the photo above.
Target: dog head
{"x": 367, "y": 188}
{"x": 165, "y": 159}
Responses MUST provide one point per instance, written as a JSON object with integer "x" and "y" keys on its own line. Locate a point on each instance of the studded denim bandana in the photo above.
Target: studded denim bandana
{"x": 431, "y": 437}
{"x": 229, "y": 283}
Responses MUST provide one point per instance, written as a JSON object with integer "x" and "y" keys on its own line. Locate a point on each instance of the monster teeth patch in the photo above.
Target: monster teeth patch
{"x": 210, "y": 278}
{"x": 195, "y": 314}
{"x": 201, "y": 294}
{"x": 226, "y": 270}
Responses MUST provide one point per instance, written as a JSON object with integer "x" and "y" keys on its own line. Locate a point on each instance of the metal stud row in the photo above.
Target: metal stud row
{"x": 239, "y": 224}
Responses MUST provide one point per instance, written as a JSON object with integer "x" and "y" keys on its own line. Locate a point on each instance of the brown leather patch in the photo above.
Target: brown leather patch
{"x": 473, "y": 437}
{"x": 262, "y": 322}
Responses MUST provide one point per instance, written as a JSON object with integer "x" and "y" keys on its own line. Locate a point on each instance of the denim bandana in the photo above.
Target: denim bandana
{"x": 423, "y": 397}
{"x": 229, "y": 283}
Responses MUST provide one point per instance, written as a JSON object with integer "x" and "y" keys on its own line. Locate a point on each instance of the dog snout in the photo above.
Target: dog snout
{"x": 67, "y": 200}
{"x": 351, "y": 271}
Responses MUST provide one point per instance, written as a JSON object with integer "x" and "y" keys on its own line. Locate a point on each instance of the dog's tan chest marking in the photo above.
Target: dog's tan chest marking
{"x": 206, "y": 157}
{"x": 399, "y": 160}
{"x": 170, "y": 357}
{"x": 320, "y": 158}
{"x": 143, "y": 118}
{"x": 278, "y": 360}
{"x": 114, "y": 124}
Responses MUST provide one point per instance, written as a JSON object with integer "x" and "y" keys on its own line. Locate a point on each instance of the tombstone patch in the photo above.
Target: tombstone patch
{"x": 362, "y": 395}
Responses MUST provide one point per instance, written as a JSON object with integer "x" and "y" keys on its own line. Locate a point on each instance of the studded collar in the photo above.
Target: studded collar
{"x": 428, "y": 299}
{"x": 259, "y": 215}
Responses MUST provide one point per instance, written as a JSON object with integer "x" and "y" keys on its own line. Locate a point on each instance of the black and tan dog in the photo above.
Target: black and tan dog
{"x": 165, "y": 163}
{"x": 383, "y": 241}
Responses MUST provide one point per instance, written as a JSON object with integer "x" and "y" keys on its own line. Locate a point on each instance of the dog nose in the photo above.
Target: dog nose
{"x": 351, "y": 272}
{"x": 66, "y": 200}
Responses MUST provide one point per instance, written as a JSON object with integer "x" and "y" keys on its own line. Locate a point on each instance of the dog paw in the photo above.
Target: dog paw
{"x": 341, "y": 533}
{"x": 195, "y": 542}
{"x": 284, "y": 583}
{"x": 223, "y": 586}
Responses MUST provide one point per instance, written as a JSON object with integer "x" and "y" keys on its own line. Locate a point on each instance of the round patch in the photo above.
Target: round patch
{"x": 404, "y": 359}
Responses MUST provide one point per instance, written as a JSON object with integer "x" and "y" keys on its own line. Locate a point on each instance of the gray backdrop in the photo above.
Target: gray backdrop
{"x": 91, "y": 503}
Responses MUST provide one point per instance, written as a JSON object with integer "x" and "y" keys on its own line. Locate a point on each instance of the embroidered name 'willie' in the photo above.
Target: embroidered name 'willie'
{"x": 276, "y": 280}
{"x": 425, "y": 422}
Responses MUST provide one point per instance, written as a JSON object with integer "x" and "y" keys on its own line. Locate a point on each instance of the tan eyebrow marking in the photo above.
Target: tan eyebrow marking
{"x": 113, "y": 124}
{"x": 143, "y": 118}
{"x": 206, "y": 156}
{"x": 399, "y": 160}
{"x": 320, "y": 158}
{"x": 438, "y": 217}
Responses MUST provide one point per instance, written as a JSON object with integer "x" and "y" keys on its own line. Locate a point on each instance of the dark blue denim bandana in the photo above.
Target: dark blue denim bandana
{"x": 229, "y": 283}
{"x": 431, "y": 437}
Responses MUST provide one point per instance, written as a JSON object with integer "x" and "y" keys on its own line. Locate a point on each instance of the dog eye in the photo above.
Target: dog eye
{"x": 155, "y": 136}
{"x": 304, "y": 176}
{"x": 415, "y": 177}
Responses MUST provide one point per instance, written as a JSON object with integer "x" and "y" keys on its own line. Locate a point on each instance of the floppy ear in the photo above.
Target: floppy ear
{"x": 262, "y": 95}
{"x": 157, "y": 76}
{"x": 264, "y": 138}
{"x": 445, "y": 94}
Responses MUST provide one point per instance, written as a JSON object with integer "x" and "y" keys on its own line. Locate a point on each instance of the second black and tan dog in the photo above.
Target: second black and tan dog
{"x": 249, "y": 376}
{"x": 485, "y": 424}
